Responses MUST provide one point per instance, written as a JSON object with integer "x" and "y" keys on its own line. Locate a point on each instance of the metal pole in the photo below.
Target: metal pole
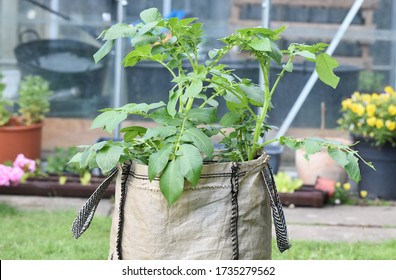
{"x": 265, "y": 22}
{"x": 54, "y": 26}
{"x": 118, "y": 73}
{"x": 166, "y": 7}
{"x": 314, "y": 77}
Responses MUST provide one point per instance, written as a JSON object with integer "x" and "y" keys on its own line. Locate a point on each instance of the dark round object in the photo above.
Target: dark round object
{"x": 64, "y": 63}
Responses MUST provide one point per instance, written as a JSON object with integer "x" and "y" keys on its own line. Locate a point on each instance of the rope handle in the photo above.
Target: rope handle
{"x": 87, "y": 212}
{"x": 282, "y": 238}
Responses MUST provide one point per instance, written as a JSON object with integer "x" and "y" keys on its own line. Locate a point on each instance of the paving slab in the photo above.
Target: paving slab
{"x": 340, "y": 233}
{"x": 370, "y": 216}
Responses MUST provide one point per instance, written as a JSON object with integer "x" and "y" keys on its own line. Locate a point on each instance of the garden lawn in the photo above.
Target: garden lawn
{"x": 43, "y": 235}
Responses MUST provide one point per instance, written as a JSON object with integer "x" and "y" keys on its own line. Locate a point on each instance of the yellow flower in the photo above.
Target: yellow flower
{"x": 338, "y": 184}
{"x": 371, "y": 110}
{"x": 346, "y": 104}
{"x": 390, "y": 125}
{"x": 358, "y": 109}
{"x": 374, "y": 96}
{"x": 366, "y": 98}
{"x": 392, "y": 110}
{"x": 385, "y": 97}
{"x": 371, "y": 121}
{"x": 363, "y": 194}
{"x": 347, "y": 186}
{"x": 389, "y": 90}
{"x": 356, "y": 95}
{"x": 379, "y": 123}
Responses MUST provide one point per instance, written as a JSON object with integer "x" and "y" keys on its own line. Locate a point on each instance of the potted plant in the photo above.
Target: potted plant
{"x": 21, "y": 132}
{"x": 321, "y": 164}
{"x": 371, "y": 119}
{"x": 176, "y": 196}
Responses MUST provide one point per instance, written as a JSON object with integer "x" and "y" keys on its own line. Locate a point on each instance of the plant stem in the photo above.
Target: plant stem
{"x": 280, "y": 76}
{"x": 230, "y": 89}
{"x": 180, "y": 135}
{"x": 210, "y": 98}
{"x": 264, "y": 65}
{"x": 268, "y": 142}
{"x": 166, "y": 66}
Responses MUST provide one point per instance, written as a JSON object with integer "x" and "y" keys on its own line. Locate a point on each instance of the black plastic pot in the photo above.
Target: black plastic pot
{"x": 379, "y": 183}
{"x": 275, "y": 152}
{"x": 64, "y": 63}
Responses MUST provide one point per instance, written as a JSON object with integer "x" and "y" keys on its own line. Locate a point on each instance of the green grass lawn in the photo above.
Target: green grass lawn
{"x": 42, "y": 235}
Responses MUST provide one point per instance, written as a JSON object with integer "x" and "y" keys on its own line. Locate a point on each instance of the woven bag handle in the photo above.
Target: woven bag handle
{"x": 282, "y": 238}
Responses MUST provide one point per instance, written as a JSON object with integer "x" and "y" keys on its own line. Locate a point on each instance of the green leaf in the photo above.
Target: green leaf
{"x": 253, "y": 31}
{"x": 171, "y": 106}
{"x": 161, "y": 116}
{"x": 158, "y": 161}
{"x": 148, "y": 27}
{"x": 254, "y": 93}
{"x": 119, "y": 30}
{"x": 131, "y": 132}
{"x": 325, "y": 65}
{"x": 193, "y": 89}
{"x": 213, "y": 53}
{"x": 291, "y": 142}
{"x": 150, "y": 15}
{"x": 311, "y": 147}
{"x": 140, "y": 108}
{"x": 263, "y": 45}
{"x": 338, "y": 155}
{"x": 240, "y": 101}
{"x": 306, "y": 54}
{"x": 190, "y": 163}
{"x": 203, "y": 115}
{"x": 109, "y": 120}
{"x": 160, "y": 131}
{"x": 108, "y": 157}
{"x": 139, "y": 129}
{"x": 98, "y": 146}
{"x": 105, "y": 49}
{"x": 230, "y": 118}
{"x": 139, "y": 53}
{"x": 76, "y": 158}
{"x": 86, "y": 156}
{"x": 276, "y": 53}
{"x": 172, "y": 182}
{"x": 200, "y": 140}
{"x": 288, "y": 66}
{"x": 352, "y": 168}
{"x": 142, "y": 40}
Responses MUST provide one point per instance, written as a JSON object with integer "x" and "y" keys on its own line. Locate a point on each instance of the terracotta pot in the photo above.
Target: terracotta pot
{"x": 16, "y": 138}
{"x": 320, "y": 165}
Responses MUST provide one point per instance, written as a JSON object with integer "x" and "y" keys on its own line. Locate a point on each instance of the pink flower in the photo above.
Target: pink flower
{"x": 5, "y": 172}
{"x": 16, "y": 175}
{"x": 24, "y": 163}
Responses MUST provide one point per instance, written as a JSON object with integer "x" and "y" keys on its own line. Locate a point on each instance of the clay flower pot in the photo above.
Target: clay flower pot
{"x": 16, "y": 138}
{"x": 320, "y": 165}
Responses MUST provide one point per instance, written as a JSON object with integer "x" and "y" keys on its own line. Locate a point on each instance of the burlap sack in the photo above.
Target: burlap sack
{"x": 226, "y": 216}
